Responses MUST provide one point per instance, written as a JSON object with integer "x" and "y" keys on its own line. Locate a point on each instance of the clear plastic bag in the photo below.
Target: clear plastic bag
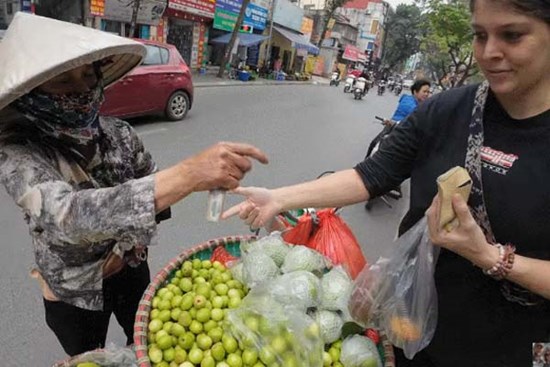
{"x": 399, "y": 292}
{"x": 281, "y": 334}
{"x": 301, "y": 289}
{"x": 110, "y": 356}
{"x": 359, "y": 351}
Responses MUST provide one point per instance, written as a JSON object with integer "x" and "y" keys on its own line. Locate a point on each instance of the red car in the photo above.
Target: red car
{"x": 161, "y": 84}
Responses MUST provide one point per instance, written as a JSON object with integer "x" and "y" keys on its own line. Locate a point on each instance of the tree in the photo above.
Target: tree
{"x": 405, "y": 28}
{"x": 330, "y": 9}
{"x": 447, "y": 46}
{"x": 135, "y": 10}
{"x": 231, "y": 43}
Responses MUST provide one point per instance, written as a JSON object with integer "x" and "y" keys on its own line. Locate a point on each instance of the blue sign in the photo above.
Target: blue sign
{"x": 255, "y": 16}
{"x": 26, "y": 6}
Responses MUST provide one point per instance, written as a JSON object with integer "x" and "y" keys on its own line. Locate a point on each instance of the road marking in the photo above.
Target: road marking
{"x": 151, "y": 132}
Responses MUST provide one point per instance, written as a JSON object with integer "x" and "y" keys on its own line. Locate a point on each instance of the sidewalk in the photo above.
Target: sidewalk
{"x": 210, "y": 80}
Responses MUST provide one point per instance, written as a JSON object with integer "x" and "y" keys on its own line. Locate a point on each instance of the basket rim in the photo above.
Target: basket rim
{"x": 142, "y": 315}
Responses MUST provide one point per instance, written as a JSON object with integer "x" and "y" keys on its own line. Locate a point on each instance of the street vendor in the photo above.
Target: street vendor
{"x": 493, "y": 273}
{"x": 89, "y": 191}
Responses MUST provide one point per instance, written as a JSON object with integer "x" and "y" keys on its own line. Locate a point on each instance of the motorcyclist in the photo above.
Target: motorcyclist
{"x": 420, "y": 91}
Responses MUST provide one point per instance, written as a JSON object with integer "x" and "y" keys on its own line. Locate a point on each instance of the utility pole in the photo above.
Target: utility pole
{"x": 135, "y": 11}
{"x": 269, "y": 41}
{"x": 229, "y": 47}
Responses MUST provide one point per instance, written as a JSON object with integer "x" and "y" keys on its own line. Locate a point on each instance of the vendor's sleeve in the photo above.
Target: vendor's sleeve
{"x": 145, "y": 165}
{"x": 124, "y": 213}
{"x": 393, "y": 162}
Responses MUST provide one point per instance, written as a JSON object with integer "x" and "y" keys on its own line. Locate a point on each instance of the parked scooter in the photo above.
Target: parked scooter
{"x": 396, "y": 193}
{"x": 335, "y": 79}
{"x": 350, "y": 82}
{"x": 381, "y": 87}
{"x": 360, "y": 88}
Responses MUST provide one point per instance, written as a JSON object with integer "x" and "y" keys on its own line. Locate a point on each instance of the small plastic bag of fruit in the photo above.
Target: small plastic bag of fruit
{"x": 111, "y": 356}
{"x": 275, "y": 334}
{"x": 399, "y": 292}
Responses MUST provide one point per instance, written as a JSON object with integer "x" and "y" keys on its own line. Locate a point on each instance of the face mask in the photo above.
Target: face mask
{"x": 74, "y": 115}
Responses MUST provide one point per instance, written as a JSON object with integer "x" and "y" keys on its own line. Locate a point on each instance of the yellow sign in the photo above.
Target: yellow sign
{"x": 331, "y": 23}
{"x": 307, "y": 26}
{"x": 97, "y": 7}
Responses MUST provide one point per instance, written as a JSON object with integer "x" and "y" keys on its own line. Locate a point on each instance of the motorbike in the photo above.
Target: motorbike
{"x": 335, "y": 79}
{"x": 398, "y": 89}
{"x": 381, "y": 88}
{"x": 350, "y": 82}
{"x": 396, "y": 193}
{"x": 360, "y": 88}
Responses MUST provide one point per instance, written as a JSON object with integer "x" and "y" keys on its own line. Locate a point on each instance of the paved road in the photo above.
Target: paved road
{"x": 304, "y": 129}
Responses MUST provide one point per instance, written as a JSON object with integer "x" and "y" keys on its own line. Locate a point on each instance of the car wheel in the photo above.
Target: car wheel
{"x": 177, "y": 106}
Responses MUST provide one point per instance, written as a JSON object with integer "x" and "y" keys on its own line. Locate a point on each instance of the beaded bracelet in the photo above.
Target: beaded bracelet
{"x": 504, "y": 263}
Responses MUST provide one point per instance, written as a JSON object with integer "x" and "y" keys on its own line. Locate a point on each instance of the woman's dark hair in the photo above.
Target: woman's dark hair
{"x": 535, "y": 8}
{"x": 419, "y": 84}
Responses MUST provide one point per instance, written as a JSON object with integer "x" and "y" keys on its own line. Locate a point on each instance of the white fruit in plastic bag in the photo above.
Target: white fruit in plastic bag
{"x": 257, "y": 268}
{"x": 302, "y": 289}
{"x": 359, "y": 351}
{"x": 330, "y": 324}
{"x": 336, "y": 287}
{"x": 272, "y": 245}
{"x": 303, "y": 258}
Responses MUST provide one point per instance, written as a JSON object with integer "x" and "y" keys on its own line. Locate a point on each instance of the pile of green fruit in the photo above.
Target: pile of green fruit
{"x": 331, "y": 355}
{"x": 187, "y": 318}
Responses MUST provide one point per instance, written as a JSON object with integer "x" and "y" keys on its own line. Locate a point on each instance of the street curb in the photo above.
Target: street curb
{"x": 253, "y": 84}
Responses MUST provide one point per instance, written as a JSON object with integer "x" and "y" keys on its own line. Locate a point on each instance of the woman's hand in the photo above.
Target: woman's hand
{"x": 222, "y": 165}
{"x": 259, "y": 208}
{"x": 467, "y": 239}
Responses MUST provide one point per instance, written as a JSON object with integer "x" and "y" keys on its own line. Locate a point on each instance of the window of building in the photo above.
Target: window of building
{"x": 9, "y": 8}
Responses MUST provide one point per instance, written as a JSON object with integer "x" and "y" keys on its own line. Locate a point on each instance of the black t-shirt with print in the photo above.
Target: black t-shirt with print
{"x": 476, "y": 326}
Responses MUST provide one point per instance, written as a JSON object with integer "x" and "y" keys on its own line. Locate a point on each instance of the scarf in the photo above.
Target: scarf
{"x": 73, "y": 116}
{"x": 510, "y": 291}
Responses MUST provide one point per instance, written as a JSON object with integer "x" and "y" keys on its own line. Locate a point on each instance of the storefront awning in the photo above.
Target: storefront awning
{"x": 245, "y": 39}
{"x": 298, "y": 41}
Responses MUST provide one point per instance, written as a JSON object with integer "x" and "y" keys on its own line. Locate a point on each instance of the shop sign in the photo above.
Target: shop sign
{"x": 150, "y": 11}
{"x": 227, "y": 12}
{"x": 203, "y": 8}
{"x": 97, "y": 8}
{"x": 26, "y": 6}
{"x": 288, "y": 15}
{"x": 307, "y": 27}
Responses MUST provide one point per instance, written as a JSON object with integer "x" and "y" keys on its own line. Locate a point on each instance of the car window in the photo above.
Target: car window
{"x": 153, "y": 56}
{"x": 164, "y": 55}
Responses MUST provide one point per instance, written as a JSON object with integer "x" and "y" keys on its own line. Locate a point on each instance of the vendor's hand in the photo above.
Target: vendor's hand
{"x": 388, "y": 123}
{"x": 222, "y": 165}
{"x": 259, "y": 208}
{"x": 467, "y": 239}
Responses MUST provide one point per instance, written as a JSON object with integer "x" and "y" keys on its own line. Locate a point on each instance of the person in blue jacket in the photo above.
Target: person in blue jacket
{"x": 420, "y": 91}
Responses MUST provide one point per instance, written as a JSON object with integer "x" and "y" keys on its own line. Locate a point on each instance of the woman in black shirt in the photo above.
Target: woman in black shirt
{"x": 500, "y": 132}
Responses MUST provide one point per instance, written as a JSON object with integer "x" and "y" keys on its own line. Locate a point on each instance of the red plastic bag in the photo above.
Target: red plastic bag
{"x": 301, "y": 234}
{"x": 222, "y": 255}
{"x": 335, "y": 240}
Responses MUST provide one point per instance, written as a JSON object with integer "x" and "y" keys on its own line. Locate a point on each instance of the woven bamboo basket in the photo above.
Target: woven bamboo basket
{"x": 201, "y": 251}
